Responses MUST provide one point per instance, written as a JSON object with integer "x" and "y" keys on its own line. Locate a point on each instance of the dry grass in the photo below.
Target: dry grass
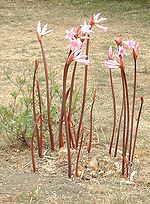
{"x": 19, "y": 48}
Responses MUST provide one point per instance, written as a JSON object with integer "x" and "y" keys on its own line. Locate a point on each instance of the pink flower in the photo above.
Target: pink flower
{"x": 85, "y": 28}
{"x": 76, "y": 44}
{"x": 136, "y": 50}
{"x": 121, "y": 51}
{"x": 110, "y": 53}
{"x": 42, "y": 31}
{"x": 112, "y": 64}
{"x": 102, "y": 28}
{"x": 78, "y": 57}
{"x": 70, "y": 34}
{"x": 95, "y": 20}
{"x": 129, "y": 44}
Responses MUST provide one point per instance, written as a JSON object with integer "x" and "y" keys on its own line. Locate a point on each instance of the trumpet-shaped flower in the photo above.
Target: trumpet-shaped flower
{"x": 136, "y": 51}
{"x": 85, "y": 28}
{"x": 78, "y": 57}
{"x": 129, "y": 44}
{"x": 102, "y": 28}
{"x": 42, "y": 31}
{"x": 76, "y": 44}
{"x": 95, "y": 20}
{"x": 70, "y": 34}
{"x": 112, "y": 64}
{"x": 121, "y": 51}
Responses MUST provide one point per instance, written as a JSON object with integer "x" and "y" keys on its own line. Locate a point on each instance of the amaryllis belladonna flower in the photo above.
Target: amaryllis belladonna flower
{"x": 78, "y": 57}
{"x": 136, "y": 50}
{"x": 42, "y": 31}
{"x": 129, "y": 44}
{"x": 85, "y": 28}
{"x": 112, "y": 64}
{"x": 121, "y": 51}
{"x": 76, "y": 44}
{"x": 95, "y": 20}
{"x": 70, "y": 34}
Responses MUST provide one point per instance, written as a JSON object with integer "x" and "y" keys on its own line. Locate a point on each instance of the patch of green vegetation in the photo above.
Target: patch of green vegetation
{"x": 32, "y": 197}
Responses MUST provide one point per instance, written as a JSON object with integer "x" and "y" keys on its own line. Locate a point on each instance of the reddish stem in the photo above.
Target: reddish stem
{"x": 118, "y": 133}
{"x": 41, "y": 122}
{"x": 137, "y": 126}
{"x": 32, "y": 151}
{"x": 72, "y": 86}
{"x": 133, "y": 109}
{"x": 114, "y": 106}
{"x": 128, "y": 114}
{"x": 124, "y": 125}
{"x": 68, "y": 144}
{"x": 70, "y": 104}
{"x": 78, "y": 155}
{"x": 70, "y": 132}
{"x": 84, "y": 95}
{"x": 47, "y": 97}
{"x": 63, "y": 108}
{"x": 34, "y": 109}
{"x": 91, "y": 123}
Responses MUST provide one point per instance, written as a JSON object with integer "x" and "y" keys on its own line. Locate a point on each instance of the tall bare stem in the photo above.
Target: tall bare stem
{"x": 84, "y": 95}
{"x": 124, "y": 125}
{"x": 32, "y": 151}
{"x": 137, "y": 126}
{"x": 63, "y": 107}
{"x": 133, "y": 108}
{"x": 118, "y": 132}
{"x": 70, "y": 103}
{"x": 47, "y": 96}
{"x": 78, "y": 155}
{"x": 34, "y": 108}
{"x": 114, "y": 107}
{"x": 41, "y": 122}
{"x": 91, "y": 123}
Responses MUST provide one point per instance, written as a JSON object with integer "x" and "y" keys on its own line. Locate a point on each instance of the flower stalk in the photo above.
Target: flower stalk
{"x": 91, "y": 123}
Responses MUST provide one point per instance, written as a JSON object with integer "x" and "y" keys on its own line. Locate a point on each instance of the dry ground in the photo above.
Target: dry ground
{"x": 19, "y": 48}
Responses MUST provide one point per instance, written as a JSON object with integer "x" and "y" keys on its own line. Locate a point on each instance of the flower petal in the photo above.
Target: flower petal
{"x": 102, "y": 28}
{"x": 38, "y": 27}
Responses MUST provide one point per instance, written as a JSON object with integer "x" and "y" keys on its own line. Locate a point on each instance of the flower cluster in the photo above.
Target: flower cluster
{"x": 122, "y": 46}
{"x": 77, "y": 37}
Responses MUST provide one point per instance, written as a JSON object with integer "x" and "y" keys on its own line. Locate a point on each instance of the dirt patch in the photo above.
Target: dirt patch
{"x": 101, "y": 180}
